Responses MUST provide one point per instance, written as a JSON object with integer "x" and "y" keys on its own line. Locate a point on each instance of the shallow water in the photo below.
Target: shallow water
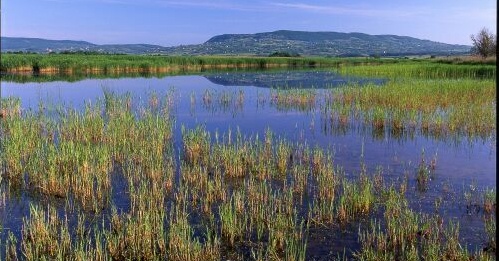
{"x": 460, "y": 162}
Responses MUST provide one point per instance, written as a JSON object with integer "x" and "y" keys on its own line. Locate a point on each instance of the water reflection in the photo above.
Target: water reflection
{"x": 289, "y": 79}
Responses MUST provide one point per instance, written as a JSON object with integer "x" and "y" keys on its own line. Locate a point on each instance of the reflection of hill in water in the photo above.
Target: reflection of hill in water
{"x": 288, "y": 79}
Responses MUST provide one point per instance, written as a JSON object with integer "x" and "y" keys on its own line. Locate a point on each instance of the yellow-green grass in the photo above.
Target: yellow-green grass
{"x": 438, "y": 106}
{"x": 75, "y": 63}
{"x": 302, "y": 100}
{"x": 422, "y": 69}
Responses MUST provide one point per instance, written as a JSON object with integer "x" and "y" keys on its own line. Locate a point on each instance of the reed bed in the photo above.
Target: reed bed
{"x": 45, "y": 235}
{"x": 260, "y": 212}
{"x": 91, "y": 64}
{"x": 440, "y": 108}
{"x": 406, "y": 235}
{"x": 423, "y": 69}
{"x": 222, "y": 196}
{"x": 22, "y": 137}
{"x": 472, "y": 60}
{"x": 224, "y": 101}
{"x": 10, "y": 107}
{"x": 293, "y": 99}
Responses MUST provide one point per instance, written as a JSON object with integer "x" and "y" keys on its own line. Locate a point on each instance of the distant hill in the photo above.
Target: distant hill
{"x": 325, "y": 44}
{"x": 37, "y": 45}
{"x": 16, "y": 44}
{"x": 262, "y": 44}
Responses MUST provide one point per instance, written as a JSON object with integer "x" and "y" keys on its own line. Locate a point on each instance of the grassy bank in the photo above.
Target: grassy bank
{"x": 59, "y": 66}
{"x": 424, "y": 69}
{"x": 71, "y": 63}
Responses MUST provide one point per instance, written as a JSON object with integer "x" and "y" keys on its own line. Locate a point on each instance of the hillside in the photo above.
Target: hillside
{"x": 16, "y": 44}
{"x": 262, "y": 44}
{"x": 37, "y": 45}
{"x": 323, "y": 44}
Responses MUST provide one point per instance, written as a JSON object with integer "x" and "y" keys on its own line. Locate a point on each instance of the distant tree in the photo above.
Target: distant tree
{"x": 484, "y": 43}
{"x": 284, "y": 54}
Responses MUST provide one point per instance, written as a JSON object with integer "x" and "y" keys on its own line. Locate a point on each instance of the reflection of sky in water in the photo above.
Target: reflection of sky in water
{"x": 458, "y": 163}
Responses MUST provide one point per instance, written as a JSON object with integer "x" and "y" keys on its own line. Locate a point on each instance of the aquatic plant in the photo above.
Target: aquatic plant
{"x": 212, "y": 196}
{"x": 423, "y": 69}
{"x": 45, "y": 235}
{"x": 102, "y": 63}
{"x": 439, "y": 108}
{"x": 297, "y": 99}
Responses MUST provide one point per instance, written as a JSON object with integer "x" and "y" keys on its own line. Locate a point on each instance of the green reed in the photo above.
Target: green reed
{"x": 74, "y": 63}
{"x": 297, "y": 99}
{"x": 196, "y": 145}
{"x": 233, "y": 220}
{"x": 10, "y": 107}
{"x": 423, "y": 69}
{"x": 405, "y": 234}
{"x": 139, "y": 234}
{"x": 182, "y": 243}
{"x": 22, "y": 137}
{"x": 436, "y": 107}
{"x": 77, "y": 64}
{"x": 45, "y": 235}
{"x": 490, "y": 230}
{"x": 357, "y": 199}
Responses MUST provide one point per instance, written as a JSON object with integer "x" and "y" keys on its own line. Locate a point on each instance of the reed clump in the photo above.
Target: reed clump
{"x": 109, "y": 64}
{"x": 74, "y": 155}
{"x": 357, "y": 199}
{"x": 10, "y": 107}
{"x": 196, "y": 145}
{"x": 183, "y": 245}
{"x": 423, "y": 69}
{"x": 141, "y": 233}
{"x": 407, "y": 235}
{"x": 22, "y": 137}
{"x": 489, "y": 201}
{"x": 293, "y": 99}
{"x": 45, "y": 235}
{"x": 440, "y": 108}
{"x": 222, "y": 101}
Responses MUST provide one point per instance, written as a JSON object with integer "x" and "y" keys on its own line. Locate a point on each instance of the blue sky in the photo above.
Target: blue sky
{"x": 175, "y": 22}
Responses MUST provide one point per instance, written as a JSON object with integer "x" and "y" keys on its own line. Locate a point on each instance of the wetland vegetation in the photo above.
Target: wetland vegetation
{"x": 128, "y": 179}
{"x": 73, "y": 63}
{"x": 113, "y": 64}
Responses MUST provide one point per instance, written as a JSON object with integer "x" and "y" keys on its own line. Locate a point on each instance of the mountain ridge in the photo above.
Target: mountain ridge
{"x": 259, "y": 44}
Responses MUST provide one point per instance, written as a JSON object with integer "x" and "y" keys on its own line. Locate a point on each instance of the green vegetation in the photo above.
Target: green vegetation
{"x": 80, "y": 64}
{"x": 74, "y": 63}
{"x": 233, "y": 195}
{"x": 437, "y": 69}
{"x": 484, "y": 43}
{"x": 284, "y": 54}
{"x": 303, "y": 100}
{"x": 438, "y": 107}
{"x": 246, "y": 191}
{"x": 320, "y": 44}
{"x": 259, "y": 44}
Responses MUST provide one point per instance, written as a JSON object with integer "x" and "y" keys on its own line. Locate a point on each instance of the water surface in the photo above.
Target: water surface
{"x": 460, "y": 162}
